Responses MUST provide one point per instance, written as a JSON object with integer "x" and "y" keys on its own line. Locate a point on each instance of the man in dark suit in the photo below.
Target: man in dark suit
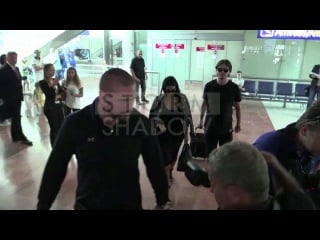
{"x": 315, "y": 84}
{"x": 11, "y": 96}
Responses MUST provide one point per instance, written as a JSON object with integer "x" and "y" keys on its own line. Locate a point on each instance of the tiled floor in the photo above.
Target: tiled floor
{"x": 21, "y": 167}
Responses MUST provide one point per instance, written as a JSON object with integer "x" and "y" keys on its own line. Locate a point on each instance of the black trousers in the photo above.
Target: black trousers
{"x": 16, "y": 129}
{"x": 68, "y": 110}
{"x": 213, "y": 138}
{"x": 142, "y": 85}
{"x": 55, "y": 116}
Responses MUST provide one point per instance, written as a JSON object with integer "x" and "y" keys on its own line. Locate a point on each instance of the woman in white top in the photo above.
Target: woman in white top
{"x": 74, "y": 91}
{"x": 37, "y": 65}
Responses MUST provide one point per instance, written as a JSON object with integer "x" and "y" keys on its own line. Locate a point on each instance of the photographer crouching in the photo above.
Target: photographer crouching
{"x": 239, "y": 176}
{"x": 297, "y": 147}
{"x": 240, "y": 180}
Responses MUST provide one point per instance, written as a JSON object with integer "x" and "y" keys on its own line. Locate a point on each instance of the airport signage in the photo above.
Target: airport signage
{"x": 290, "y": 34}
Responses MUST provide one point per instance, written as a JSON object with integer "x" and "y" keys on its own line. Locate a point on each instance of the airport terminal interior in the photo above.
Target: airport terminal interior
{"x": 190, "y": 56}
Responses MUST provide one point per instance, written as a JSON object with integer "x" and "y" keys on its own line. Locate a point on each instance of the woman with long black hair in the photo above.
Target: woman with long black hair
{"x": 171, "y": 115}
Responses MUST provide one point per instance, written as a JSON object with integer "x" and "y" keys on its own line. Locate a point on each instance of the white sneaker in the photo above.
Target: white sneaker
{"x": 5, "y": 123}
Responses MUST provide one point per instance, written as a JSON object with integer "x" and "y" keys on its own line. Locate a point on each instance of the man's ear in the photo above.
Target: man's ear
{"x": 303, "y": 129}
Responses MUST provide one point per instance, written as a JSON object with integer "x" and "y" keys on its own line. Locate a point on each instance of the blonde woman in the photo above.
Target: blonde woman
{"x": 52, "y": 105}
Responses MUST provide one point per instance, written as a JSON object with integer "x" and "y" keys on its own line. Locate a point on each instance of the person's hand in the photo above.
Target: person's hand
{"x": 56, "y": 80}
{"x": 237, "y": 128}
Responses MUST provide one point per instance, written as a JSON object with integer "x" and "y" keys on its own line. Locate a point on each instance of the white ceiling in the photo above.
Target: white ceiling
{"x": 24, "y": 42}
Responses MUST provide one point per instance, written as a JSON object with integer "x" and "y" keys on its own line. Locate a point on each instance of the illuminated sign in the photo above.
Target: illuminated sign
{"x": 179, "y": 46}
{"x": 215, "y": 47}
{"x": 290, "y": 34}
{"x": 164, "y": 45}
{"x": 200, "y": 49}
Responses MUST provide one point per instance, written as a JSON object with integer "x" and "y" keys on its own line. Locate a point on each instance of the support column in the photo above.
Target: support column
{"x": 107, "y": 48}
{"x": 128, "y": 48}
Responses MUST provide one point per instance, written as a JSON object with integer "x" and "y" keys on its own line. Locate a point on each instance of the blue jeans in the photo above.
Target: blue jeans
{"x": 312, "y": 93}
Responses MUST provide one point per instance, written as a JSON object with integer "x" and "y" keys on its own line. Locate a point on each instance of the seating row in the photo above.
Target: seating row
{"x": 275, "y": 91}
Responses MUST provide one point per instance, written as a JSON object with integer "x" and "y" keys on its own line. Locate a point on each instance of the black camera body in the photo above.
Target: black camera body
{"x": 312, "y": 181}
{"x": 196, "y": 175}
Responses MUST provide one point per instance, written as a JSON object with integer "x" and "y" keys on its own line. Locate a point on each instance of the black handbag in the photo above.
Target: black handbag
{"x": 184, "y": 157}
{"x": 198, "y": 145}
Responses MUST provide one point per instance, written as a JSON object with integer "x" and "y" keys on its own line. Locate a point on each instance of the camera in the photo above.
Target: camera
{"x": 311, "y": 181}
{"x": 196, "y": 175}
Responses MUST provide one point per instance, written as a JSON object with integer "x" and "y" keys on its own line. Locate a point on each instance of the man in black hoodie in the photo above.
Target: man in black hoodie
{"x": 107, "y": 138}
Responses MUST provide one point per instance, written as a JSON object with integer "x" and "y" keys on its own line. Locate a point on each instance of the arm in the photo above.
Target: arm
{"x": 188, "y": 119}
{"x": 56, "y": 167}
{"x": 238, "y": 117}
{"x": 37, "y": 68}
{"x": 241, "y": 83}
{"x": 132, "y": 72}
{"x": 134, "y": 75}
{"x": 34, "y": 96}
{"x": 155, "y": 108}
{"x": 145, "y": 73}
{"x": 292, "y": 196}
{"x": 80, "y": 94}
{"x": 156, "y": 122}
{"x": 237, "y": 99}
{"x": 153, "y": 161}
{"x": 202, "y": 113}
{"x": 283, "y": 178}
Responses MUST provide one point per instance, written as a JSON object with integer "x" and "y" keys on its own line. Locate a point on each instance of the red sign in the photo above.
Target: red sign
{"x": 179, "y": 46}
{"x": 200, "y": 49}
{"x": 215, "y": 47}
{"x": 164, "y": 45}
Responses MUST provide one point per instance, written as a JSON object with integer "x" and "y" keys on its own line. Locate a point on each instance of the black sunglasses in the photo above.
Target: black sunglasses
{"x": 223, "y": 69}
{"x": 170, "y": 91}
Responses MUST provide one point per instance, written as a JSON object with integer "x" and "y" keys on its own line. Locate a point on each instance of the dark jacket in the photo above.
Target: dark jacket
{"x": 108, "y": 172}
{"x": 316, "y": 70}
{"x": 10, "y": 90}
{"x": 183, "y": 108}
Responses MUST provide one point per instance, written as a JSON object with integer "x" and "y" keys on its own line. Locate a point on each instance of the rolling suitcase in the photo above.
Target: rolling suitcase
{"x": 198, "y": 145}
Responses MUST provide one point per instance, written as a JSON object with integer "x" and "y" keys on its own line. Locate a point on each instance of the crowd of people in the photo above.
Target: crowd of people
{"x": 278, "y": 171}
